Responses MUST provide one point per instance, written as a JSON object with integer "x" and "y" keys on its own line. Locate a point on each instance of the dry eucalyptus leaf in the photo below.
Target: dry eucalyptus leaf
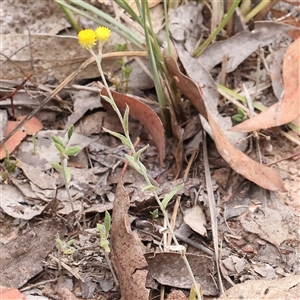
{"x": 287, "y": 288}
{"x": 169, "y": 269}
{"x": 11, "y": 293}
{"x": 126, "y": 249}
{"x": 37, "y": 176}
{"x": 286, "y": 109}
{"x": 23, "y": 258}
{"x": 31, "y": 128}
{"x": 3, "y": 122}
{"x": 240, "y": 46}
{"x": 268, "y": 224}
{"x": 196, "y": 219}
{"x": 262, "y": 175}
{"x": 95, "y": 122}
{"x": 274, "y": 60}
{"x": 45, "y": 151}
{"x": 145, "y": 115}
{"x": 201, "y": 77}
{"x": 83, "y": 101}
{"x": 24, "y": 187}
{"x": 185, "y": 24}
{"x": 234, "y": 264}
{"x": 16, "y": 205}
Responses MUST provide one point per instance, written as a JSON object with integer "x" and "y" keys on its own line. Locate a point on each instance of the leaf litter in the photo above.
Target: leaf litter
{"x": 251, "y": 246}
{"x": 287, "y": 108}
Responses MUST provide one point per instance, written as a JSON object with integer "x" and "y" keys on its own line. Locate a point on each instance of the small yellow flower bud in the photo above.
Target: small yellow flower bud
{"x": 102, "y": 34}
{"x": 87, "y": 38}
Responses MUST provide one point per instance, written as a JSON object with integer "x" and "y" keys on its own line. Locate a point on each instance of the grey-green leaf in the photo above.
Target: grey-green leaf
{"x": 73, "y": 150}
{"x": 57, "y": 140}
{"x": 70, "y": 132}
{"x": 167, "y": 199}
{"x": 57, "y": 167}
{"x": 135, "y": 165}
{"x": 125, "y": 120}
{"x": 60, "y": 148}
{"x": 121, "y": 137}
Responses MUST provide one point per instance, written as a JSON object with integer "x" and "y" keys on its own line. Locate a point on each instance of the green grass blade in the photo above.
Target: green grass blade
{"x": 198, "y": 51}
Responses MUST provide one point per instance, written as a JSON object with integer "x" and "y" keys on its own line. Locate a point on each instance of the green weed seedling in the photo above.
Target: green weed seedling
{"x": 154, "y": 214}
{"x": 63, "y": 247}
{"x": 8, "y": 165}
{"x": 240, "y": 116}
{"x": 65, "y": 152}
{"x": 103, "y": 230}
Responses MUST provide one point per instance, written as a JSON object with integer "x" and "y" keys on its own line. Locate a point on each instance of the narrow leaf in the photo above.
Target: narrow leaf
{"x": 107, "y": 222}
{"x": 135, "y": 165}
{"x": 57, "y": 140}
{"x": 74, "y": 150}
{"x": 119, "y": 136}
{"x": 60, "y": 148}
{"x": 70, "y": 132}
{"x": 57, "y": 167}
{"x": 171, "y": 195}
{"x": 138, "y": 153}
{"x": 125, "y": 120}
{"x": 102, "y": 231}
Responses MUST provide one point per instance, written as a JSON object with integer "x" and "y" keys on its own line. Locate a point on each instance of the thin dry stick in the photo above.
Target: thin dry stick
{"x": 176, "y": 206}
{"x": 258, "y": 152}
{"x": 173, "y": 219}
{"x": 290, "y": 137}
{"x": 212, "y": 206}
{"x": 162, "y": 292}
{"x": 13, "y": 93}
{"x": 69, "y": 269}
{"x": 284, "y": 158}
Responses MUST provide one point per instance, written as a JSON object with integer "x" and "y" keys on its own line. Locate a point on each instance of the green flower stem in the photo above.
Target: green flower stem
{"x": 63, "y": 162}
{"x": 98, "y": 59}
{"x": 198, "y": 51}
{"x": 111, "y": 268}
{"x": 142, "y": 169}
{"x": 166, "y": 218}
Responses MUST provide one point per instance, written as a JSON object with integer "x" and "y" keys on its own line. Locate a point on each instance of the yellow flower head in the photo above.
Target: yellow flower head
{"x": 102, "y": 34}
{"x": 87, "y": 38}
